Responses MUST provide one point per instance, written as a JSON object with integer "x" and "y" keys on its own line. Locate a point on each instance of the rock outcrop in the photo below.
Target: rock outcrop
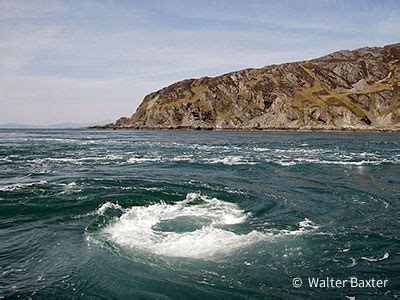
{"x": 345, "y": 90}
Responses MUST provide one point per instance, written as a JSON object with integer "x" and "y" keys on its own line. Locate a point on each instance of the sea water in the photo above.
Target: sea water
{"x": 199, "y": 215}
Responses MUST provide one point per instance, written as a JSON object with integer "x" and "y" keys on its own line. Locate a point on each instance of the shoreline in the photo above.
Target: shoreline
{"x": 244, "y": 129}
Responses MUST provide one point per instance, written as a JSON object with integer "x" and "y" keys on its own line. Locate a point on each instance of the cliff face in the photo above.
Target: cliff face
{"x": 357, "y": 89}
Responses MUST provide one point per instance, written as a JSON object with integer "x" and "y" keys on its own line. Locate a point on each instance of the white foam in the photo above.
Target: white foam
{"x": 141, "y": 160}
{"x": 230, "y": 160}
{"x": 301, "y": 155}
{"x": 373, "y": 259}
{"x": 184, "y": 158}
{"x": 17, "y": 186}
{"x": 136, "y": 228}
{"x": 307, "y": 223}
{"x": 69, "y": 187}
{"x": 77, "y": 161}
{"x": 299, "y": 160}
{"x": 140, "y": 228}
{"x": 286, "y": 163}
{"x": 6, "y": 159}
{"x": 211, "y": 148}
{"x": 305, "y": 226}
{"x": 261, "y": 149}
{"x": 353, "y": 262}
{"x": 102, "y": 209}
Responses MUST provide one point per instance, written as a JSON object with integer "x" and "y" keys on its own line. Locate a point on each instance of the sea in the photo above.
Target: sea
{"x": 199, "y": 215}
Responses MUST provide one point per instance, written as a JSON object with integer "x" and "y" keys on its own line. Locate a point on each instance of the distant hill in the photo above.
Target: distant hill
{"x": 345, "y": 90}
{"x": 66, "y": 125}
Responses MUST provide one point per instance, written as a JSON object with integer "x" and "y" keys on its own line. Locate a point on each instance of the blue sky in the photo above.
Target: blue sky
{"x": 88, "y": 61}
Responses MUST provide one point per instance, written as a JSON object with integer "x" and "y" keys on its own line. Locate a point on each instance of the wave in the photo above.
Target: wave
{"x": 71, "y": 187}
{"x": 18, "y": 186}
{"x": 140, "y": 160}
{"x": 373, "y": 259}
{"x": 6, "y": 159}
{"x": 230, "y": 156}
{"x": 198, "y": 227}
{"x": 102, "y": 209}
{"x": 77, "y": 161}
{"x": 183, "y": 158}
{"x": 300, "y": 160}
{"x": 281, "y": 157}
{"x": 240, "y": 160}
{"x": 230, "y": 160}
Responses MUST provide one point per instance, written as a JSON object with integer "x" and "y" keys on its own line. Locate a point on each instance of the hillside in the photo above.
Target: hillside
{"x": 345, "y": 90}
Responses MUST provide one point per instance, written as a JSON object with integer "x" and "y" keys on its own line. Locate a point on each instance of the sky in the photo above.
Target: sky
{"x": 91, "y": 61}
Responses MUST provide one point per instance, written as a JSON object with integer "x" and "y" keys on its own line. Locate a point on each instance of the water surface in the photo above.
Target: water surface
{"x": 197, "y": 214}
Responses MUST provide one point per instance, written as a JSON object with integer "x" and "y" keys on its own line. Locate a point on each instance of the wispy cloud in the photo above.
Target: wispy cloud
{"x": 32, "y": 9}
{"x": 63, "y": 56}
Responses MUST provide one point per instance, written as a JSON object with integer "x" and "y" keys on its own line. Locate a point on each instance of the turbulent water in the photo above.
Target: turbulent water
{"x": 225, "y": 215}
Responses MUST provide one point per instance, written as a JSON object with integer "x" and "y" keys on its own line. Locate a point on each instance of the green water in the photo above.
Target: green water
{"x": 197, "y": 215}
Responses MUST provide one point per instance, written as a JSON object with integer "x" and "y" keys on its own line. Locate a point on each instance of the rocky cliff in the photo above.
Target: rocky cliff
{"x": 355, "y": 90}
